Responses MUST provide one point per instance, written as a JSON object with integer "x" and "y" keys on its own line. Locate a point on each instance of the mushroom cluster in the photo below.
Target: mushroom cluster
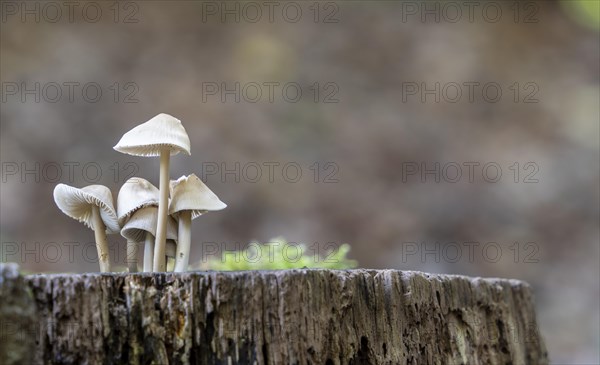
{"x": 158, "y": 217}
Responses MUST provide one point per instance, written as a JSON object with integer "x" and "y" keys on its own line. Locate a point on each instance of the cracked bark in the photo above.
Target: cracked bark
{"x": 17, "y": 318}
{"x": 283, "y": 317}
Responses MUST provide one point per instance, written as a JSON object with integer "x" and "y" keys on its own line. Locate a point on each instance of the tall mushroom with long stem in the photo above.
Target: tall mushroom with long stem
{"x": 93, "y": 205}
{"x": 162, "y": 136}
{"x": 135, "y": 194}
{"x": 190, "y": 198}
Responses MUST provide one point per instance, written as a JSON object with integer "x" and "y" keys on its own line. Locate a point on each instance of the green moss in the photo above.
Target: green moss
{"x": 585, "y": 12}
{"x": 278, "y": 254}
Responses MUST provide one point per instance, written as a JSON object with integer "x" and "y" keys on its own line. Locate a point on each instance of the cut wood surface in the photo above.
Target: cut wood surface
{"x": 270, "y": 317}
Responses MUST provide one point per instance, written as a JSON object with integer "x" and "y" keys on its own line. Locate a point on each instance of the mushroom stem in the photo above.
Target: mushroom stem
{"x": 163, "y": 207}
{"x": 101, "y": 242}
{"x": 132, "y": 248}
{"x": 148, "y": 252}
{"x": 182, "y": 257}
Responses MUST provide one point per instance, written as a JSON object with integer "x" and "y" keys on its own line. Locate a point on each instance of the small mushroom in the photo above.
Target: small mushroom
{"x": 92, "y": 205}
{"x": 141, "y": 227}
{"x": 135, "y": 194}
{"x": 190, "y": 198}
{"x": 170, "y": 253}
{"x": 162, "y": 136}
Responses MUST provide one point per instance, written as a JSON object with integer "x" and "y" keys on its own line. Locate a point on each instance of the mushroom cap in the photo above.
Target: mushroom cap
{"x": 136, "y": 193}
{"x": 190, "y": 193}
{"x": 145, "y": 220}
{"x": 78, "y": 203}
{"x": 148, "y": 139}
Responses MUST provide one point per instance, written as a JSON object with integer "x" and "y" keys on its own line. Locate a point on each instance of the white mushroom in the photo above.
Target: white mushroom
{"x": 135, "y": 194}
{"x": 161, "y": 136}
{"x": 170, "y": 252}
{"x": 141, "y": 227}
{"x": 190, "y": 198}
{"x": 92, "y": 205}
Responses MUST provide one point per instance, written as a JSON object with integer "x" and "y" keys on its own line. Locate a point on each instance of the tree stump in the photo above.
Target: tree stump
{"x": 271, "y": 317}
{"x": 18, "y": 318}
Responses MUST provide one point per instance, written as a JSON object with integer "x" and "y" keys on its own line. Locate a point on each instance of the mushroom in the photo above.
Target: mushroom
{"x": 171, "y": 247}
{"x": 92, "y": 205}
{"x": 141, "y": 227}
{"x": 170, "y": 252}
{"x": 190, "y": 198}
{"x": 135, "y": 194}
{"x": 161, "y": 136}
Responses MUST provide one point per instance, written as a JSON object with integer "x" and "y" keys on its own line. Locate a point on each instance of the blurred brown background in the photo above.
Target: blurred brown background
{"x": 365, "y": 121}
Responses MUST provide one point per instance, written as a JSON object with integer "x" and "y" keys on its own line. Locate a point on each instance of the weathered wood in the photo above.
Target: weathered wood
{"x": 18, "y": 318}
{"x": 285, "y": 317}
